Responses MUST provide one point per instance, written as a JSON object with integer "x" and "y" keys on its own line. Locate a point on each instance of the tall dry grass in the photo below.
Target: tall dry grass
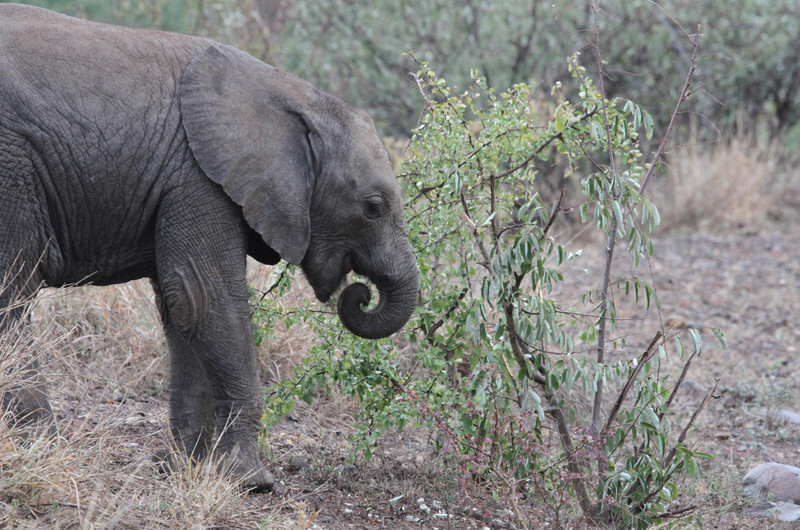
{"x": 737, "y": 183}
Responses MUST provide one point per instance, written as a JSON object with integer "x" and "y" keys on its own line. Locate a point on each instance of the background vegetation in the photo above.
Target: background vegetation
{"x": 750, "y": 63}
{"x": 525, "y": 134}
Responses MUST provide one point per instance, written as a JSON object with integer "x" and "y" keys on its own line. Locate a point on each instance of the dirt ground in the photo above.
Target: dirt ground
{"x": 745, "y": 283}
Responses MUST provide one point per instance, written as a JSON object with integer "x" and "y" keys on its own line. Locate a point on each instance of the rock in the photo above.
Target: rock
{"x": 297, "y": 465}
{"x": 774, "y": 482}
{"x": 787, "y": 416}
{"x": 345, "y": 472}
{"x": 782, "y": 511}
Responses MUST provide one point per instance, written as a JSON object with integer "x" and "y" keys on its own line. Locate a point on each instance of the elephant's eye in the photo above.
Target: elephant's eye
{"x": 374, "y": 208}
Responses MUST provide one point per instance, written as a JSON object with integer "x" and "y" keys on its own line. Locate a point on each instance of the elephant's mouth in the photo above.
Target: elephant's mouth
{"x": 332, "y": 279}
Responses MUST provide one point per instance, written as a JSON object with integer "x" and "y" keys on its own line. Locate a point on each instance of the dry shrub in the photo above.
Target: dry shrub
{"x": 737, "y": 183}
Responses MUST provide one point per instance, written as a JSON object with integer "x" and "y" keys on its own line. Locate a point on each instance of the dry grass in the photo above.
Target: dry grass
{"x": 96, "y": 476}
{"x": 737, "y": 183}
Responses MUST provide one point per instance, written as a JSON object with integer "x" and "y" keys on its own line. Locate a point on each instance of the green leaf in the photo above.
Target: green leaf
{"x": 697, "y": 339}
{"x": 661, "y": 443}
{"x": 720, "y": 337}
{"x": 649, "y": 125}
{"x": 618, "y": 213}
{"x": 649, "y": 418}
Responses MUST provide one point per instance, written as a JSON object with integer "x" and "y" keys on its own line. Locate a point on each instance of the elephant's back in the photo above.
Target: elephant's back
{"x": 41, "y": 25}
{"x": 102, "y": 98}
{"x": 107, "y": 96}
{"x": 50, "y": 48}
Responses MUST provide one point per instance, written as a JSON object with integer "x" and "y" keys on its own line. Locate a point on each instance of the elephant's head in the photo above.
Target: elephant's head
{"x": 312, "y": 178}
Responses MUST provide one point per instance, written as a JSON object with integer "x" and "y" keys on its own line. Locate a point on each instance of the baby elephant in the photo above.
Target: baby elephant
{"x": 127, "y": 153}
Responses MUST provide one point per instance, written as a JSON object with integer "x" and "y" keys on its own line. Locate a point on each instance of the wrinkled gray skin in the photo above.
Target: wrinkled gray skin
{"x": 129, "y": 153}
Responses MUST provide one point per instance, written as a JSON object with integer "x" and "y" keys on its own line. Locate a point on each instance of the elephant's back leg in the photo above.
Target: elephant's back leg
{"x": 27, "y": 247}
{"x": 21, "y": 252}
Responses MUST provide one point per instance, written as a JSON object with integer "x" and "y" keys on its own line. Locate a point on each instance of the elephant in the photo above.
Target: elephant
{"x": 129, "y": 153}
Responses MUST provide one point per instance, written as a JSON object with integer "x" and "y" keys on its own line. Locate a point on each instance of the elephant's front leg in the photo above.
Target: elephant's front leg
{"x": 214, "y": 386}
{"x": 191, "y": 399}
{"x": 203, "y": 299}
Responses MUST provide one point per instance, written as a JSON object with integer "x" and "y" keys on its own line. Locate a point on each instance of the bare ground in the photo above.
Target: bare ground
{"x": 107, "y": 373}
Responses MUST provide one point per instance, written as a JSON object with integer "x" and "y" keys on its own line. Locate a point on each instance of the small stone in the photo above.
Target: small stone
{"x": 787, "y": 416}
{"x": 782, "y": 511}
{"x": 773, "y": 481}
{"x": 297, "y": 465}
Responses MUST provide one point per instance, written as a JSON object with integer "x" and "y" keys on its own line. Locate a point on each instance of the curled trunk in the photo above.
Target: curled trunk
{"x": 395, "y": 306}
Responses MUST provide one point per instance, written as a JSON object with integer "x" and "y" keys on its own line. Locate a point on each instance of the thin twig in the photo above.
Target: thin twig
{"x": 682, "y": 437}
{"x": 274, "y": 285}
{"x": 685, "y": 93}
{"x": 474, "y": 229}
{"x": 538, "y": 151}
{"x": 597, "y": 408}
{"x": 554, "y": 213}
{"x": 678, "y": 384}
{"x": 673, "y": 452}
{"x": 429, "y": 332}
{"x": 673, "y": 393}
{"x": 573, "y": 465}
{"x": 613, "y": 227}
{"x": 77, "y": 500}
{"x": 601, "y": 87}
{"x": 643, "y": 358}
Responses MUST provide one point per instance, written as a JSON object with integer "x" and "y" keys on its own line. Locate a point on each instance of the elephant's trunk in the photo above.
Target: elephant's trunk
{"x": 398, "y": 296}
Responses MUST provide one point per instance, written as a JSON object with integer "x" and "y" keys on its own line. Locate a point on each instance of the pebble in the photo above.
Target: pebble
{"x": 782, "y": 511}
{"x": 787, "y": 416}
{"x": 773, "y": 481}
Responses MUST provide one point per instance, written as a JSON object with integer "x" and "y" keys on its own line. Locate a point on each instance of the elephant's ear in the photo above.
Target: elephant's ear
{"x": 246, "y": 136}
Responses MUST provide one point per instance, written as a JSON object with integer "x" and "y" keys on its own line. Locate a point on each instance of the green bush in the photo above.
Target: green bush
{"x": 492, "y": 352}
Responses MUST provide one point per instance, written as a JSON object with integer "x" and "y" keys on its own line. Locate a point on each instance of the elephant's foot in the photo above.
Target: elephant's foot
{"x": 28, "y": 410}
{"x": 260, "y": 481}
{"x": 168, "y": 462}
{"x": 251, "y": 473}
{"x": 247, "y": 465}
